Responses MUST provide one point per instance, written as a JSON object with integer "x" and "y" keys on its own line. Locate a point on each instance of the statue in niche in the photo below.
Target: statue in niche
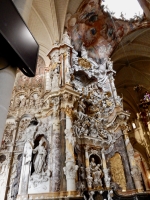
{"x": 39, "y": 159}
{"x": 40, "y": 171}
{"x": 92, "y": 164}
{"x": 55, "y": 80}
{"x": 96, "y": 173}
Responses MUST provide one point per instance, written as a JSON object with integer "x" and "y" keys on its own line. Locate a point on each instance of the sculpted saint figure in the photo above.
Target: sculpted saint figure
{"x": 96, "y": 173}
{"x": 92, "y": 165}
{"x": 55, "y": 80}
{"x": 39, "y": 159}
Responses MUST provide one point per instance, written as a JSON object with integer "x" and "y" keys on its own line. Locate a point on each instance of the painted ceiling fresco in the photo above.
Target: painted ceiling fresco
{"x": 98, "y": 30}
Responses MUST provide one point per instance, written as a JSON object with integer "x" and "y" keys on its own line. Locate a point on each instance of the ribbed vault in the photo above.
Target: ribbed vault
{"x": 132, "y": 64}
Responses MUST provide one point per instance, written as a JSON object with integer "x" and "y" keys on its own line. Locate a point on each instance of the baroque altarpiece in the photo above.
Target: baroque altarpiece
{"x": 66, "y": 133}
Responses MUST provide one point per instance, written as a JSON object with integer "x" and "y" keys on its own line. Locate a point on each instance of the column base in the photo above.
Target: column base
{"x": 52, "y": 195}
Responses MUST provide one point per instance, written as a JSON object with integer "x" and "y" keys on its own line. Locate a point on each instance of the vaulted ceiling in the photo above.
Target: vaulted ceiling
{"x": 47, "y": 20}
{"x": 132, "y": 64}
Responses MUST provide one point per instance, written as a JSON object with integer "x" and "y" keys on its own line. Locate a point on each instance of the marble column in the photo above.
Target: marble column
{"x": 71, "y": 168}
{"x": 105, "y": 170}
{"x": 25, "y": 169}
{"x": 63, "y": 185}
{"x": 145, "y": 173}
{"x": 7, "y": 78}
{"x": 87, "y": 165}
{"x": 134, "y": 169}
{"x": 56, "y": 152}
{"x": 86, "y": 156}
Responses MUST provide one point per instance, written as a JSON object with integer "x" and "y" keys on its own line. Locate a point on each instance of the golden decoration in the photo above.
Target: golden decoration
{"x": 117, "y": 171}
{"x": 108, "y": 103}
{"x": 54, "y": 65}
{"x": 68, "y": 111}
{"x": 84, "y": 63}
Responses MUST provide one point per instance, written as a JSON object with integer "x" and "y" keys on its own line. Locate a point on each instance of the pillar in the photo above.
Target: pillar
{"x": 87, "y": 164}
{"x": 145, "y": 173}
{"x": 134, "y": 169}
{"x": 56, "y": 147}
{"x": 105, "y": 170}
{"x": 71, "y": 168}
{"x": 7, "y": 78}
{"x": 26, "y": 169}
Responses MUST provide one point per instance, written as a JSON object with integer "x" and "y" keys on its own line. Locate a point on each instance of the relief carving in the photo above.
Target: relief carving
{"x": 94, "y": 174}
{"x": 117, "y": 171}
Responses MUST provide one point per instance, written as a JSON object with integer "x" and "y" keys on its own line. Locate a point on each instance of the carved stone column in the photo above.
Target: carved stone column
{"x": 7, "y": 78}
{"x": 5, "y": 164}
{"x": 145, "y": 173}
{"x": 106, "y": 171}
{"x": 87, "y": 164}
{"x": 71, "y": 168}
{"x": 25, "y": 170}
{"x": 56, "y": 148}
{"x": 86, "y": 156}
{"x": 63, "y": 185}
{"x": 134, "y": 169}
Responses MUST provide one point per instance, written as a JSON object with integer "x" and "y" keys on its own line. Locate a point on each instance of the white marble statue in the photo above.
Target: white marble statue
{"x": 96, "y": 173}
{"x": 55, "y": 81}
{"x": 39, "y": 159}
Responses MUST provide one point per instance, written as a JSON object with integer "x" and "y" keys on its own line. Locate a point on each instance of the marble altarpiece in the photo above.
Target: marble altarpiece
{"x": 66, "y": 133}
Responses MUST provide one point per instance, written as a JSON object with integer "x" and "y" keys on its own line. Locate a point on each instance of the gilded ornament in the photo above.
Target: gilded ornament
{"x": 68, "y": 111}
{"x": 117, "y": 171}
{"x": 84, "y": 63}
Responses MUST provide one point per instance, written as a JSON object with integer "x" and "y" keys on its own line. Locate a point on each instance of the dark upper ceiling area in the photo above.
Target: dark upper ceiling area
{"x": 131, "y": 61}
